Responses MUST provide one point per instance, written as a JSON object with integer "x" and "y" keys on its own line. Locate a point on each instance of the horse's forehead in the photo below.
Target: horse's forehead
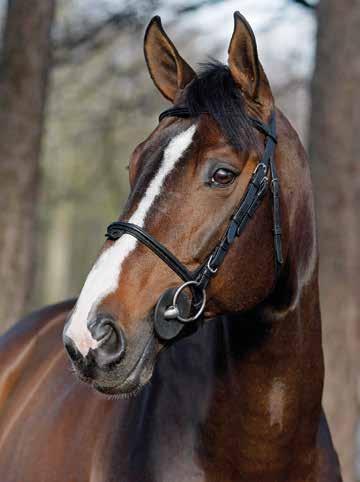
{"x": 208, "y": 133}
{"x": 164, "y": 143}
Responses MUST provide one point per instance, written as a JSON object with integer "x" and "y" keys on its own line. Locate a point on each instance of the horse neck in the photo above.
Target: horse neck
{"x": 238, "y": 399}
{"x": 247, "y": 389}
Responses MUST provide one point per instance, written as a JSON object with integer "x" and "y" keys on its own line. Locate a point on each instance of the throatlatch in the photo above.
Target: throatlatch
{"x": 174, "y": 309}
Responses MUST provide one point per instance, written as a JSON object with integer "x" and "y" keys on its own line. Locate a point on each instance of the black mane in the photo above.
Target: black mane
{"x": 215, "y": 92}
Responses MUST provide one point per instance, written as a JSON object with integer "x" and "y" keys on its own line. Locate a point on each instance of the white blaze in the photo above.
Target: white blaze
{"x": 104, "y": 277}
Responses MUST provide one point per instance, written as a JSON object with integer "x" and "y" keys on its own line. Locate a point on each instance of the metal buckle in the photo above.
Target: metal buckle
{"x": 263, "y": 165}
{"x": 173, "y": 310}
{"x": 209, "y": 267}
{"x": 263, "y": 186}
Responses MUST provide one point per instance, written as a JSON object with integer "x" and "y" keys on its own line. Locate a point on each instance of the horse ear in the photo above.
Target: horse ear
{"x": 169, "y": 71}
{"x": 244, "y": 62}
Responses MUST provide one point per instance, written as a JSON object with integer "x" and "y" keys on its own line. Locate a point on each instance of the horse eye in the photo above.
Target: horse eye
{"x": 223, "y": 177}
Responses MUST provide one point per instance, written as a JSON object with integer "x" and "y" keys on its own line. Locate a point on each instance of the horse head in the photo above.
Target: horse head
{"x": 187, "y": 180}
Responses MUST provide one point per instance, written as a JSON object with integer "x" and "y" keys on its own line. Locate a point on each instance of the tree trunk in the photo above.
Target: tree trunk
{"x": 335, "y": 156}
{"x": 24, "y": 73}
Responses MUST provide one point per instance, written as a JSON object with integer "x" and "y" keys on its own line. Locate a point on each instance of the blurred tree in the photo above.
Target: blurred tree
{"x": 335, "y": 154}
{"x": 83, "y": 33}
{"x": 24, "y": 72}
{"x": 306, "y": 3}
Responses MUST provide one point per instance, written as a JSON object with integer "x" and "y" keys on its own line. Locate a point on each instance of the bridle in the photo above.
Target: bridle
{"x": 174, "y": 310}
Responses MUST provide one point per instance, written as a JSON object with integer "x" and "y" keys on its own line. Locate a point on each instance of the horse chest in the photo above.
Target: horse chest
{"x": 162, "y": 456}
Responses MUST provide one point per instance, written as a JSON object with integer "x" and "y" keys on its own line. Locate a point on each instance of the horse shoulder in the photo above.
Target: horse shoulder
{"x": 18, "y": 345}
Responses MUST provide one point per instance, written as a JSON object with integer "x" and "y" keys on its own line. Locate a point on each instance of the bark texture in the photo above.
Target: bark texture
{"x": 24, "y": 73}
{"x": 335, "y": 156}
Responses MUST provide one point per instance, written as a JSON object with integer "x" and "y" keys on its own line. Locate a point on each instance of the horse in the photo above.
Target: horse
{"x": 216, "y": 379}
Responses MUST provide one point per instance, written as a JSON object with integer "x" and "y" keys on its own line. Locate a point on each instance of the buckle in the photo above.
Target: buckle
{"x": 263, "y": 165}
{"x": 263, "y": 187}
{"x": 209, "y": 267}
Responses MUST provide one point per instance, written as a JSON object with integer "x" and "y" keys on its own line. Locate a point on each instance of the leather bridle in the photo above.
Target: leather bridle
{"x": 174, "y": 309}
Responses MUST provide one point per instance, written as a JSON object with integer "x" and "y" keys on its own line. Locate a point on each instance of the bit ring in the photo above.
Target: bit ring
{"x": 176, "y": 296}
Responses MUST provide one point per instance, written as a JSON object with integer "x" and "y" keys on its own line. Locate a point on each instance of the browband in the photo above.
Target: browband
{"x": 184, "y": 113}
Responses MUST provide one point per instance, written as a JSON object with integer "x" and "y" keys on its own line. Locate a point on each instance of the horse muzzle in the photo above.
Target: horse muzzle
{"x": 114, "y": 367}
{"x": 110, "y": 341}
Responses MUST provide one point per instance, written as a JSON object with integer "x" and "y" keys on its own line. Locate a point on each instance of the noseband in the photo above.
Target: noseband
{"x": 174, "y": 310}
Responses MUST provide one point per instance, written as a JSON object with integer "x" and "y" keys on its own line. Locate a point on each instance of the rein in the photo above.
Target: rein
{"x": 174, "y": 309}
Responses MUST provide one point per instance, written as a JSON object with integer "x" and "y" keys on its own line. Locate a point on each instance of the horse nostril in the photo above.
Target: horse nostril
{"x": 111, "y": 341}
{"x": 71, "y": 349}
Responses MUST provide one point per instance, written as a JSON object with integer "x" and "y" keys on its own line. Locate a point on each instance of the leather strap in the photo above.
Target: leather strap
{"x": 182, "y": 112}
{"x": 250, "y": 202}
{"x": 275, "y": 187}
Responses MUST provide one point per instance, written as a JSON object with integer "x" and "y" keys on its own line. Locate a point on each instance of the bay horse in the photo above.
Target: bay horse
{"x": 221, "y": 198}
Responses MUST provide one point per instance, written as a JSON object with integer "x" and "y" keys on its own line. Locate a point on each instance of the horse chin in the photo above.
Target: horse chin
{"x": 121, "y": 391}
{"x": 136, "y": 380}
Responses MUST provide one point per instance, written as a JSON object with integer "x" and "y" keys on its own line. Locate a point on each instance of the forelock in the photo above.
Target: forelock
{"x": 214, "y": 91}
